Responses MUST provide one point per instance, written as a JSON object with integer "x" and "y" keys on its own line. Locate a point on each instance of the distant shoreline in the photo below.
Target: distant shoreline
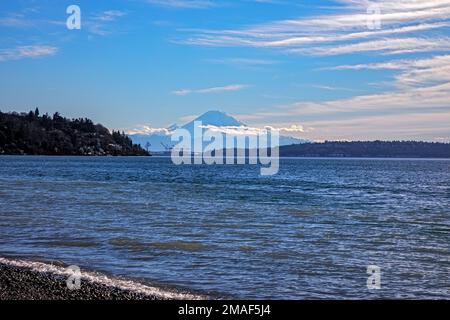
{"x": 281, "y": 157}
{"x": 30, "y": 280}
{"x": 75, "y": 156}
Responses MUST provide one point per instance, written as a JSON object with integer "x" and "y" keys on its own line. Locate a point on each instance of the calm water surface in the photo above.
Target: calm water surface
{"x": 309, "y": 232}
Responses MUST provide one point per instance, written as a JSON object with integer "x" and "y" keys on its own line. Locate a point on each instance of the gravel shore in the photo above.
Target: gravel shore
{"x": 25, "y": 284}
{"x": 23, "y": 280}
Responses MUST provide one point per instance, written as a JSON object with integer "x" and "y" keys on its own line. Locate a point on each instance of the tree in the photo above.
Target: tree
{"x": 56, "y": 116}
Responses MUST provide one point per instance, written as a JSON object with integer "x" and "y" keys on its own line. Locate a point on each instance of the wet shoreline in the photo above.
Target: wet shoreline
{"x": 26, "y": 280}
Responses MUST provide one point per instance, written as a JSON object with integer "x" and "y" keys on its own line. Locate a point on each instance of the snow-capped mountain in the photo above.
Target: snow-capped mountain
{"x": 160, "y": 140}
{"x": 216, "y": 118}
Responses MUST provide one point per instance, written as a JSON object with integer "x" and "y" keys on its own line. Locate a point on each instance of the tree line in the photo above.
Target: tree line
{"x": 34, "y": 134}
{"x": 376, "y": 149}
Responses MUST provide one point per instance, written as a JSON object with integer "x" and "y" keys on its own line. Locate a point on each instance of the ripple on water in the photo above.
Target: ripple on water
{"x": 140, "y": 246}
{"x": 235, "y": 232}
{"x": 129, "y": 244}
{"x": 181, "y": 246}
{"x": 74, "y": 242}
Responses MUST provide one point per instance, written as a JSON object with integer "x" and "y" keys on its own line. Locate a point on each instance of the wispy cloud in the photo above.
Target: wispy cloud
{"x": 183, "y": 4}
{"x": 330, "y": 88}
{"x": 385, "y": 46}
{"x": 15, "y": 20}
{"x": 298, "y": 37}
{"x": 337, "y": 34}
{"x": 100, "y": 23}
{"x": 413, "y": 72}
{"x": 109, "y": 15}
{"x": 23, "y": 52}
{"x": 231, "y": 87}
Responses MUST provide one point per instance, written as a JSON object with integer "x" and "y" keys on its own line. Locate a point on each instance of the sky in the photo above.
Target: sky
{"x": 336, "y": 70}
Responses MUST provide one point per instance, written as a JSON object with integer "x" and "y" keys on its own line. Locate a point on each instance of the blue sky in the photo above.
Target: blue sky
{"x": 327, "y": 67}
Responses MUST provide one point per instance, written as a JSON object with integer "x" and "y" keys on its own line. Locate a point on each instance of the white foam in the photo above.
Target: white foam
{"x": 104, "y": 280}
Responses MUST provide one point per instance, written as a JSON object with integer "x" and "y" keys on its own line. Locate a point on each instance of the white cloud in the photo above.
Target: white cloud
{"x": 253, "y": 131}
{"x": 232, "y": 87}
{"x": 232, "y": 130}
{"x": 23, "y": 52}
{"x": 182, "y": 92}
{"x": 147, "y": 130}
{"x": 388, "y": 46}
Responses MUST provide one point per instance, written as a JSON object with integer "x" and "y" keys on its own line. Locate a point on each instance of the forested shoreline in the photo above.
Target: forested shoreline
{"x": 369, "y": 149}
{"x": 34, "y": 134}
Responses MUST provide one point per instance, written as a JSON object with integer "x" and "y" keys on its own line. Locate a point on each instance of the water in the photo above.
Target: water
{"x": 309, "y": 232}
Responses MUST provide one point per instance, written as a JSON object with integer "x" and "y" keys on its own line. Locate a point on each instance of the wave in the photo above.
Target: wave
{"x": 103, "y": 279}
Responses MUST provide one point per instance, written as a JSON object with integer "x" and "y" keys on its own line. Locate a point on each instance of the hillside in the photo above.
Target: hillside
{"x": 375, "y": 149}
{"x": 32, "y": 134}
